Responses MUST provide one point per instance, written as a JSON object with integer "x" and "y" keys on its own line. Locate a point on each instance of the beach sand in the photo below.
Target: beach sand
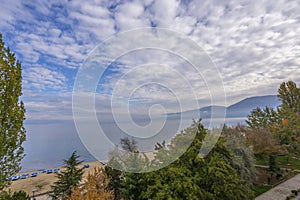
{"x": 43, "y": 181}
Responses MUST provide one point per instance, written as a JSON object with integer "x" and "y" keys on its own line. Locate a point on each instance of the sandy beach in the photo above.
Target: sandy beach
{"x": 43, "y": 181}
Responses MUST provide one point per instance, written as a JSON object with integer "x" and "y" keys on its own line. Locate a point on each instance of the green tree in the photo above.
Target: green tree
{"x": 68, "y": 179}
{"x": 263, "y": 118}
{"x": 288, "y": 129}
{"x": 12, "y": 115}
{"x": 115, "y": 178}
{"x": 283, "y": 123}
{"x": 190, "y": 176}
{"x": 128, "y": 158}
{"x": 289, "y": 95}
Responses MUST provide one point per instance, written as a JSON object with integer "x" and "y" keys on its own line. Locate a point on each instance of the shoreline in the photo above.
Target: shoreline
{"x": 43, "y": 181}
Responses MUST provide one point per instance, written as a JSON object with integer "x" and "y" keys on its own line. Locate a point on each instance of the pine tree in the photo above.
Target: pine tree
{"x": 68, "y": 179}
{"x": 12, "y": 115}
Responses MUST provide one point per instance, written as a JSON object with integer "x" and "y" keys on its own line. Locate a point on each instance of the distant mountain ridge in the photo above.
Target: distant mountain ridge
{"x": 240, "y": 109}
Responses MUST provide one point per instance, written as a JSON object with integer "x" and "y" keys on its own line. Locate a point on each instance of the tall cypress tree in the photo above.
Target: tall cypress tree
{"x": 12, "y": 115}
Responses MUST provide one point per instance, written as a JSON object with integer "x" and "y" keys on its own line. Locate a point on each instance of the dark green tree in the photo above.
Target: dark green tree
{"x": 115, "y": 178}
{"x": 69, "y": 178}
{"x": 12, "y": 115}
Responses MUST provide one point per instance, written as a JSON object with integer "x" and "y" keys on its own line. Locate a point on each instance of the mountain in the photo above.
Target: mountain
{"x": 240, "y": 109}
{"x": 244, "y": 107}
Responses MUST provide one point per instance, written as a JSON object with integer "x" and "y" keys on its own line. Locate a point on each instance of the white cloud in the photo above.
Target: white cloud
{"x": 254, "y": 45}
{"x": 42, "y": 78}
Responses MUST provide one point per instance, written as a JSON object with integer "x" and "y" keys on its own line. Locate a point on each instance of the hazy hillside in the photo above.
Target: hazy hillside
{"x": 238, "y": 110}
{"x": 243, "y": 108}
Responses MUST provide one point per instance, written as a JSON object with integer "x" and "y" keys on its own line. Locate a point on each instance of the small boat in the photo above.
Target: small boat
{"x": 49, "y": 171}
{"x": 56, "y": 170}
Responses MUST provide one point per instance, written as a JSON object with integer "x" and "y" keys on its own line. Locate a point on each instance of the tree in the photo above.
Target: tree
{"x": 263, "y": 118}
{"x": 190, "y": 176}
{"x": 289, "y": 95}
{"x": 115, "y": 178}
{"x": 128, "y": 158}
{"x": 95, "y": 187}
{"x": 20, "y": 195}
{"x": 283, "y": 123}
{"x": 129, "y": 145}
{"x": 243, "y": 156}
{"x": 69, "y": 178}
{"x": 288, "y": 130}
{"x": 12, "y": 115}
{"x": 263, "y": 142}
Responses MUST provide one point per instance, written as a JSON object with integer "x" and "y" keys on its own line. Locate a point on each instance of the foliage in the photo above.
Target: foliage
{"x": 262, "y": 118}
{"x": 288, "y": 130}
{"x": 20, "y": 195}
{"x": 12, "y": 115}
{"x": 115, "y": 178}
{"x": 190, "y": 176}
{"x": 259, "y": 189}
{"x": 294, "y": 193}
{"x": 282, "y": 162}
{"x": 263, "y": 142}
{"x": 95, "y": 188}
{"x": 243, "y": 157}
{"x": 69, "y": 178}
{"x": 128, "y": 158}
{"x": 129, "y": 145}
{"x": 289, "y": 95}
{"x": 277, "y": 131}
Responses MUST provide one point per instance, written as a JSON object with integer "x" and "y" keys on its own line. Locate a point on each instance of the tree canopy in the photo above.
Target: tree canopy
{"x": 190, "y": 176}
{"x": 68, "y": 179}
{"x": 94, "y": 188}
{"x": 12, "y": 115}
{"x": 283, "y": 122}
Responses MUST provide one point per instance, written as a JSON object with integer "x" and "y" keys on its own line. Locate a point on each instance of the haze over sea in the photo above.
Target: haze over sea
{"x": 49, "y": 142}
{"x": 46, "y": 148}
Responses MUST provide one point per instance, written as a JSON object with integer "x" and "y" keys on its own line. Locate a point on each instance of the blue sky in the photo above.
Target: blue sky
{"x": 255, "y": 45}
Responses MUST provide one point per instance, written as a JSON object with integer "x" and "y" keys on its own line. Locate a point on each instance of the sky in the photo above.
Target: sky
{"x": 254, "y": 45}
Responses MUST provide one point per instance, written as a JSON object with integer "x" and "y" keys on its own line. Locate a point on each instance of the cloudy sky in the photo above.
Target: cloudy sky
{"x": 254, "y": 45}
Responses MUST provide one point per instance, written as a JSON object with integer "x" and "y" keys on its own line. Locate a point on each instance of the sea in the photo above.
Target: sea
{"x": 49, "y": 143}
